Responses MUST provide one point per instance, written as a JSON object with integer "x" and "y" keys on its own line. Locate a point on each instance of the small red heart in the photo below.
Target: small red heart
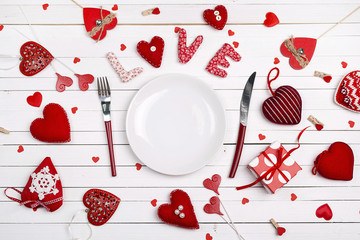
{"x": 236, "y": 44}
{"x": 63, "y": 82}
{"x": 344, "y": 64}
{"x": 327, "y": 79}
{"x": 216, "y": 18}
{"x": 76, "y": 60}
{"x": 153, "y": 202}
{"x": 74, "y": 109}
{"x": 208, "y": 236}
{"x": 122, "y": 47}
{"x": 324, "y": 211}
{"x": 152, "y": 52}
{"x": 213, "y": 206}
{"x": 281, "y": 231}
{"x": 1, "y": 27}
{"x": 20, "y": 149}
{"x": 271, "y": 19}
{"x": 293, "y": 197}
{"x": 156, "y": 11}
{"x": 91, "y": 15}
{"x": 35, "y": 99}
{"x": 351, "y": 124}
{"x": 213, "y": 183}
{"x": 276, "y": 60}
{"x": 176, "y": 29}
{"x": 95, "y": 159}
{"x": 115, "y": 7}
{"x": 319, "y": 127}
{"x": 138, "y": 166}
{"x": 84, "y": 81}
{"x": 261, "y": 137}
{"x": 231, "y": 33}
{"x": 245, "y": 201}
{"x": 45, "y": 6}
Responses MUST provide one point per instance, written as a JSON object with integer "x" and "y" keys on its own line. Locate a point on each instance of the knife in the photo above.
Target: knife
{"x": 244, "y": 111}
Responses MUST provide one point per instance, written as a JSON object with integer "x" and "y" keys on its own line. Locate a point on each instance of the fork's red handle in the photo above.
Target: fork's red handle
{"x": 111, "y": 147}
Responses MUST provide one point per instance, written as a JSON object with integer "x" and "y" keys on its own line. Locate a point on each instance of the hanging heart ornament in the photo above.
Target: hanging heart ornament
{"x": 97, "y": 21}
{"x": 347, "y": 94}
{"x": 34, "y": 58}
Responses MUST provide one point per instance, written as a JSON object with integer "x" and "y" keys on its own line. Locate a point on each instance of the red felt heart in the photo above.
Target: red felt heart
{"x": 102, "y": 205}
{"x": 35, "y": 99}
{"x": 281, "y": 231}
{"x": 245, "y": 201}
{"x": 293, "y": 197}
{"x": 153, "y": 202}
{"x": 84, "y": 81}
{"x": 180, "y": 211}
{"x": 213, "y": 206}
{"x": 91, "y": 15}
{"x": 156, "y": 11}
{"x": 63, "y": 82}
{"x": 336, "y": 163}
{"x": 308, "y": 48}
{"x": 213, "y": 183}
{"x": 153, "y": 51}
{"x": 351, "y": 124}
{"x": 284, "y": 107}
{"x": 261, "y": 137}
{"x": 271, "y": 19}
{"x": 20, "y": 149}
{"x": 347, "y": 94}
{"x": 324, "y": 211}
{"x": 54, "y": 127}
{"x": 216, "y": 18}
{"x": 34, "y": 58}
{"x": 95, "y": 159}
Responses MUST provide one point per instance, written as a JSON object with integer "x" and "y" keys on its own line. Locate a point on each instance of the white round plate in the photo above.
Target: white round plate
{"x": 175, "y": 124}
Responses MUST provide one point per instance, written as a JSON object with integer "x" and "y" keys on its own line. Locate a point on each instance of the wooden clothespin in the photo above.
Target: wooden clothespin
{"x": 327, "y": 77}
{"x": 318, "y": 125}
{"x": 154, "y": 11}
{"x": 280, "y": 230}
{"x": 3, "y": 130}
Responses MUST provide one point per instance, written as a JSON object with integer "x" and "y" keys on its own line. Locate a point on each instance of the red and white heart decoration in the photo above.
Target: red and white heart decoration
{"x": 185, "y": 53}
{"x": 347, "y": 94}
{"x": 152, "y": 51}
{"x": 125, "y": 76}
{"x": 97, "y": 21}
{"x": 216, "y": 18}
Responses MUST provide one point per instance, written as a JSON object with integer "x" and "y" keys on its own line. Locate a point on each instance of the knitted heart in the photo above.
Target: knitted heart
{"x": 84, "y": 81}
{"x": 213, "y": 183}
{"x": 35, "y": 99}
{"x": 102, "y": 205}
{"x": 54, "y": 127}
{"x": 186, "y": 53}
{"x": 324, "y": 211}
{"x": 284, "y": 107}
{"x": 213, "y": 206}
{"x": 153, "y": 51}
{"x": 43, "y": 188}
{"x": 180, "y": 211}
{"x": 298, "y": 50}
{"x": 336, "y": 163}
{"x": 62, "y": 82}
{"x": 97, "y": 21}
{"x": 34, "y": 58}
{"x": 347, "y": 94}
{"x": 216, "y": 18}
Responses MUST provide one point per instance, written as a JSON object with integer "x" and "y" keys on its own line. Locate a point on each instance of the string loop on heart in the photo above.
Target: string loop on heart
{"x": 269, "y": 81}
{"x": 104, "y": 21}
{"x": 299, "y": 55}
{"x": 71, "y": 222}
{"x": 317, "y": 162}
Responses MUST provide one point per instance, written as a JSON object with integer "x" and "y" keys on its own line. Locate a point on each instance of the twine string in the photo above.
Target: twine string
{"x": 71, "y": 222}
{"x": 300, "y": 57}
{"x": 104, "y": 21}
{"x": 77, "y": 4}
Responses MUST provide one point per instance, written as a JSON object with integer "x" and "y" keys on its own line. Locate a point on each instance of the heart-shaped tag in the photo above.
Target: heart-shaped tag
{"x": 213, "y": 206}
{"x": 347, "y": 94}
{"x": 336, "y": 163}
{"x": 84, "y": 81}
{"x": 180, "y": 211}
{"x": 34, "y": 58}
{"x": 153, "y": 51}
{"x": 324, "y": 211}
{"x": 97, "y": 21}
{"x": 125, "y": 76}
{"x": 280, "y": 231}
{"x": 62, "y": 82}
{"x": 213, "y": 183}
{"x": 35, "y": 99}
{"x": 271, "y": 19}
{"x": 101, "y": 206}
{"x": 186, "y": 53}
{"x": 299, "y": 50}
{"x": 54, "y": 127}
{"x": 216, "y": 18}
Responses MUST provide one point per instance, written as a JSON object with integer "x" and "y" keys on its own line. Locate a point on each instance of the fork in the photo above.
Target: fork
{"x": 104, "y": 95}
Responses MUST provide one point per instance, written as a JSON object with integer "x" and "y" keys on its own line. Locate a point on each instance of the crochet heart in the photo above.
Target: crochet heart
{"x": 102, "y": 205}
{"x": 186, "y": 53}
{"x": 213, "y": 206}
{"x": 336, "y": 163}
{"x": 84, "y": 81}
{"x": 284, "y": 107}
{"x": 62, "y": 82}
{"x": 95, "y": 19}
{"x": 54, "y": 127}
{"x": 35, "y": 99}
{"x": 216, "y": 18}
{"x": 324, "y": 211}
{"x": 347, "y": 94}
{"x": 306, "y": 46}
{"x": 34, "y": 58}
{"x": 213, "y": 183}
{"x": 153, "y": 51}
{"x": 180, "y": 211}
{"x": 271, "y": 19}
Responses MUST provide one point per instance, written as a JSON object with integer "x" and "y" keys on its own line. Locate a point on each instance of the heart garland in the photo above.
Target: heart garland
{"x": 152, "y": 52}
{"x": 125, "y": 76}
{"x": 213, "y": 183}
{"x": 84, "y": 81}
{"x": 347, "y": 94}
{"x": 186, "y": 53}
{"x": 216, "y": 18}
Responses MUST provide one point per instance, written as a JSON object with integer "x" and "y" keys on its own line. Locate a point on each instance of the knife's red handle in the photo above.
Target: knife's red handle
{"x": 238, "y": 150}
{"x": 111, "y": 147}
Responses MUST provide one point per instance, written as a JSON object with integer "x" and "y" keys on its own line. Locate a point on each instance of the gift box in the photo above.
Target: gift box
{"x": 274, "y": 167}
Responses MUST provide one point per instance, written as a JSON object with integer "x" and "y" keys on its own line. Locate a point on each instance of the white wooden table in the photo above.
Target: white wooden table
{"x": 60, "y": 29}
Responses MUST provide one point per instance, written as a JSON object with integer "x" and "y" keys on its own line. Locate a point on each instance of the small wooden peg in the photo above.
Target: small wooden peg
{"x": 327, "y": 77}
{"x": 276, "y": 225}
{"x": 3, "y": 130}
{"x": 280, "y": 230}
{"x": 318, "y": 125}
{"x": 147, "y": 12}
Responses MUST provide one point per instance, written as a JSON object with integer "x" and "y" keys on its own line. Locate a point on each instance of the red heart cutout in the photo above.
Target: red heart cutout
{"x": 324, "y": 211}
{"x": 20, "y": 149}
{"x": 245, "y": 201}
{"x": 153, "y": 51}
{"x": 63, "y": 82}
{"x": 271, "y": 20}
{"x": 54, "y": 127}
{"x": 76, "y": 60}
{"x": 176, "y": 29}
{"x": 102, "y": 205}
{"x": 293, "y": 197}
{"x": 351, "y": 124}
{"x": 74, "y": 110}
{"x": 348, "y": 92}
{"x": 91, "y": 15}
{"x": 1, "y": 27}
{"x": 84, "y": 81}
{"x": 236, "y": 44}
{"x": 156, "y": 11}
{"x": 122, "y": 47}
{"x": 281, "y": 231}
{"x": 213, "y": 183}
{"x": 35, "y": 99}
{"x": 307, "y": 44}
{"x": 95, "y": 159}
{"x": 216, "y": 18}
{"x": 138, "y": 166}
{"x": 276, "y": 60}
{"x": 344, "y": 64}
{"x": 184, "y": 216}
{"x": 115, "y": 7}
{"x": 231, "y": 33}
{"x": 213, "y": 207}
{"x": 45, "y": 6}
{"x": 261, "y": 137}
{"x": 208, "y": 236}
{"x": 34, "y": 58}
{"x": 327, "y": 79}
{"x": 336, "y": 163}
{"x": 153, "y": 202}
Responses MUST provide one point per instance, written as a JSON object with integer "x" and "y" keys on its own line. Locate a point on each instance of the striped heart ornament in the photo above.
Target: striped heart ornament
{"x": 284, "y": 107}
